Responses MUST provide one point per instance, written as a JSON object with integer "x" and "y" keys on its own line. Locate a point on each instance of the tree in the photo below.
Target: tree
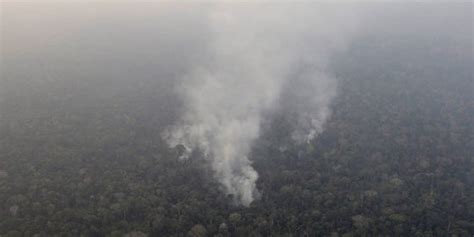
{"x": 197, "y": 231}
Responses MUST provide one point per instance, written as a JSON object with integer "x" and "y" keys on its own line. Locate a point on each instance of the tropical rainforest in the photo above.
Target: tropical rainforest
{"x": 395, "y": 158}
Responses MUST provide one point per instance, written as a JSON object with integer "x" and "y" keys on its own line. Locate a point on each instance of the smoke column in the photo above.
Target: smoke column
{"x": 262, "y": 57}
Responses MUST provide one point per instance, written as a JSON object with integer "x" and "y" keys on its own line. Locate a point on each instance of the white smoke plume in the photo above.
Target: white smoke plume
{"x": 260, "y": 54}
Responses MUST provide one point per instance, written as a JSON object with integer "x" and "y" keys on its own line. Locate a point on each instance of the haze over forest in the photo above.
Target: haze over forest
{"x": 230, "y": 118}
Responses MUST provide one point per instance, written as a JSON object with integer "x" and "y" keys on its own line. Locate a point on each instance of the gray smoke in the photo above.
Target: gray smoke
{"x": 262, "y": 57}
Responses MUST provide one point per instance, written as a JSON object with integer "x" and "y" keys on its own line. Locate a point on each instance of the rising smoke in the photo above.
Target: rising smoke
{"x": 262, "y": 57}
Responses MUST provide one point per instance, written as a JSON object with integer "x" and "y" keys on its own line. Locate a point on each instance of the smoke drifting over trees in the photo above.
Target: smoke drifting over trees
{"x": 236, "y": 119}
{"x": 255, "y": 51}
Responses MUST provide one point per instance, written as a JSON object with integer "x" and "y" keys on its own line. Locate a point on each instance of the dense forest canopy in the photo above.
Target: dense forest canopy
{"x": 85, "y": 96}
